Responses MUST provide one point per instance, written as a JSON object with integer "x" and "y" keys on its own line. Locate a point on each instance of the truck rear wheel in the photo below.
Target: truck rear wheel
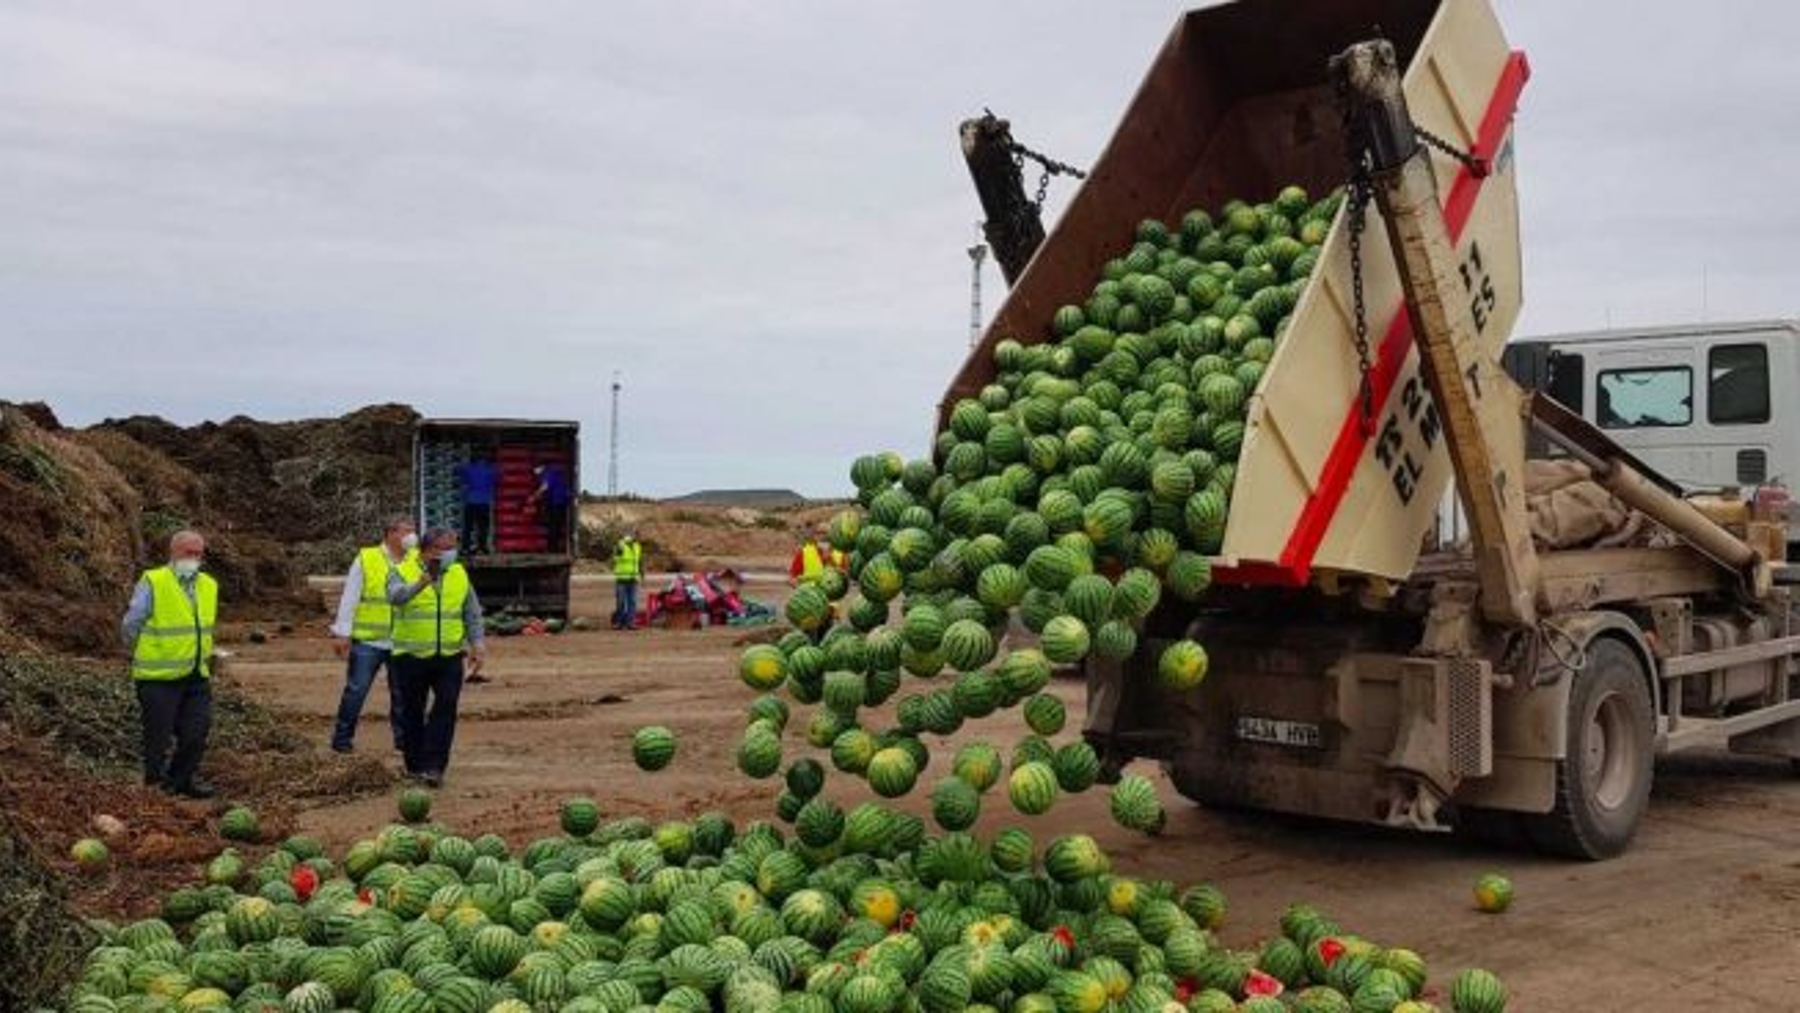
{"x": 1603, "y": 783}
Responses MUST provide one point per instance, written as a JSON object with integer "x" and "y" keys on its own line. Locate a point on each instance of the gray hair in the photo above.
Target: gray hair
{"x": 399, "y": 521}
{"x": 437, "y": 534}
{"x": 183, "y": 537}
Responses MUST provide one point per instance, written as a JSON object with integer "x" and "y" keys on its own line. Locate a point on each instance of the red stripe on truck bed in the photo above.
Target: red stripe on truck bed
{"x": 1295, "y": 566}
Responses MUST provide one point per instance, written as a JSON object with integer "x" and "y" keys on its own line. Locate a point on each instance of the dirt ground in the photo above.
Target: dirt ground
{"x": 1704, "y": 912}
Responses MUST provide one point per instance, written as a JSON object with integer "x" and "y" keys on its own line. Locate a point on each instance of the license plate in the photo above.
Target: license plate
{"x": 1279, "y": 732}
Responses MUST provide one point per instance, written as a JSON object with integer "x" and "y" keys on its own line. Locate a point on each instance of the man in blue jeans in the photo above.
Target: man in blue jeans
{"x": 363, "y": 632}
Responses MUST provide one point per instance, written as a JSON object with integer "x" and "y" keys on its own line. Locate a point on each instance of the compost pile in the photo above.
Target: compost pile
{"x": 90, "y": 508}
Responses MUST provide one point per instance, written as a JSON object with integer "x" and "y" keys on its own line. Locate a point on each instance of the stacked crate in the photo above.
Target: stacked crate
{"x": 518, "y": 524}
{"x": 440, "y": 494}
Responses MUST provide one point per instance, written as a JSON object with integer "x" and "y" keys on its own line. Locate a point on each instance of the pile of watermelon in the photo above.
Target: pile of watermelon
{"x": 868, "y": 914}
{"x": 1093, "y": 477}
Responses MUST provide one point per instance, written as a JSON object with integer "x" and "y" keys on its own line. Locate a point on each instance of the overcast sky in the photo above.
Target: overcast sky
{"x": 756, "y": 210}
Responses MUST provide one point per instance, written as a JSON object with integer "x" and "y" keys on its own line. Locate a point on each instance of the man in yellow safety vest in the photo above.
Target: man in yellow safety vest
{"x": 168, "y": 630}
{"x": 363, "y": 633}
{"x": 628, "y": 570}
{"x": 437, "y": 619}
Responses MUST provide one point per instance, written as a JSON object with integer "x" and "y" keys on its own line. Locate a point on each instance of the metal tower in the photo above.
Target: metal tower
{"x": 612, "y": 449}
{"x": 977, "y": 254}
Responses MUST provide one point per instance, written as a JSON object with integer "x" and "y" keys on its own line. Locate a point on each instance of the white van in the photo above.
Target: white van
{"x": 1710, "y": 406}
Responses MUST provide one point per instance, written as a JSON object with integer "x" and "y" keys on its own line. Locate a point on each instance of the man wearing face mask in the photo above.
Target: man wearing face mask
{"x": 436, "y": 619}
{"x": 363, "y": 634}
{"x": 168, "y": 629}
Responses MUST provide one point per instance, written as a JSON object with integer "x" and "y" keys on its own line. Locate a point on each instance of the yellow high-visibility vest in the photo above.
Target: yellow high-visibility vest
{"x": 374, "y": 616}
{"x": 628, "y": 560}
{"x": 812, "y": 564}
{"x": 431, "y": 624}
{"x": 177, "y": 639}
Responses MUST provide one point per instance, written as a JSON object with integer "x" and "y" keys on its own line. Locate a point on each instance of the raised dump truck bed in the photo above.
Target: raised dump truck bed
{"x": 1237, "y": 104}
{"x": 1521, "y": 686}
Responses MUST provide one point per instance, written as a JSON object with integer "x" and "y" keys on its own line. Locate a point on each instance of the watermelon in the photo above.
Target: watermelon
{"x": 978, "y": 763}
{"x": 759, "y": 752}
{"x": 967, "y": 645}
{"x": 976, "y": 694}
{"x": 1188, "y": 576}
{"x": 1032, "y": 788}
{"x": 414, "y": 805}
{"x": 1493, "y": 893}
{"x": 1182, "y": 666}
{"x": 1107, "y": 520}
{"x": 238, "y": 824}
{"x": 892, "y": 772}
{"x": 763, "y": 667}
{"x": 252, "y": 920}
{"x": 852, "y": 749}
{"x": 955, "y": 804}
{"x": 90, "y": 855}
{"x": 1135, "y": 805}
{"x": 769, "y": 709}
{"x": 1477, "y": 991}
{"x": 579, "y": 818}
{"x": 1039, "y": 607}
{"x": 808, "y": 608}
{"x": 1050, "y": 567}
{"x": 923, "y": 626}
{"x": 1077, "y": 766}
{"x": 819, "y": 822}
{"x": 1115, "y": 640}
{"x": 880, "y": 580}
{"x": 1089, "y": 598}
{"x": 1136, "y": 594}
{"x": 1001, "y": 586}
{"x": 1064, "y": 640}
{"x": 652, "y": 747}
{"x": 1045, "y": 714}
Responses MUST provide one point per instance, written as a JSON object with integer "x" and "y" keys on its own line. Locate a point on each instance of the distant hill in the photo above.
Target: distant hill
{"x": 754, "y": 499}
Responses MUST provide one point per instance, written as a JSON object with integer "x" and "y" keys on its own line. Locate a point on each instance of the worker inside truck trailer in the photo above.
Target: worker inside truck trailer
{"x": 478, "y": 479}
{"x": 551, "y": 498}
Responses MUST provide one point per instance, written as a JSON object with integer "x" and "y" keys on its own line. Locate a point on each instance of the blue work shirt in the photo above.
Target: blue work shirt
{"x": 556, "y": 487}
{"x": 478, "y": 479}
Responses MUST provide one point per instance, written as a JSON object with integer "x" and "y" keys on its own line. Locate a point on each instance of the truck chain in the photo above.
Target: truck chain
{"x": 1359, "y": 190}
{"x": 1475, "y": 163}
{"x": 1050, "y": 166}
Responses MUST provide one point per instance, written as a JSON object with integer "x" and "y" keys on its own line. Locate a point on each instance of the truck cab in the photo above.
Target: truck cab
{"x": 1709, "y": 406}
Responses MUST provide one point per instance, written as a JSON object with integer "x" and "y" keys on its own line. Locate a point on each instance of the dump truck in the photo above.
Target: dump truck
{"x": 523, "y": 567}
{"x": 1509, "y": 687}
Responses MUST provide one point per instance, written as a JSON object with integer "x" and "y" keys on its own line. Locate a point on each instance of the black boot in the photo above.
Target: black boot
{"x": 195, "y": 788}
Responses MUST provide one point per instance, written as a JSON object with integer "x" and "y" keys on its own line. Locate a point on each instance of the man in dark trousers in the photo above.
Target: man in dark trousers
{"x": 168, "y": 630}
{"x": 553, "y": 500}
{"x": 479, "y": 480}
{"x": 437, "y": 619}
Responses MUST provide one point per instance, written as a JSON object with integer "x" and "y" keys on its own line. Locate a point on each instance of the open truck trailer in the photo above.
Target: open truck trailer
{"x": 527, "y": 572}
{"x": 1510, "y": 688}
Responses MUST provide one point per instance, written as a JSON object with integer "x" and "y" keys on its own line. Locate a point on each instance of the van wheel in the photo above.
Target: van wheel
{"x": 1603, "y": 783}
